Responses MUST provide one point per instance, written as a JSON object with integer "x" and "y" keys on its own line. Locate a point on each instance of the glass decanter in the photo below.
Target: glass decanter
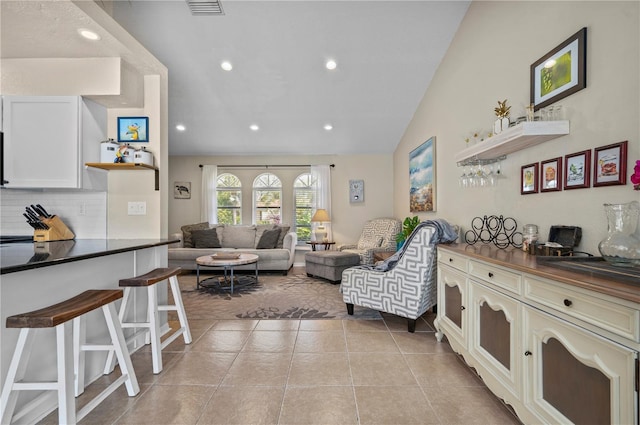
{"x": 621, "y": 247}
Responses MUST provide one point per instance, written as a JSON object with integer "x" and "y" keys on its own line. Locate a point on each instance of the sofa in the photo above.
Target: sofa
{"x": 274, "y": 245}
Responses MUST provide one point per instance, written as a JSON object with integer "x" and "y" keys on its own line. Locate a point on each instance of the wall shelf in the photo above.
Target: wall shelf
{"x": 126, "y": 166}
{"x": 513, "y": 139}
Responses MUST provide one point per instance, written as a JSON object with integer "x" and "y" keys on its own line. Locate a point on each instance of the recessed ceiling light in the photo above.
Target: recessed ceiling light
{"x": 89, "y": 35}
{"x": 226, "y": 65}
{"x": 180, "y": 127}
{"x": 254, "y": 127}
{"x": 328, "y": 127}
{"x": 331, "y": 64}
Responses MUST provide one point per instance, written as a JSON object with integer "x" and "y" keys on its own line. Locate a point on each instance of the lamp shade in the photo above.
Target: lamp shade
{"x": 320, "y": 216}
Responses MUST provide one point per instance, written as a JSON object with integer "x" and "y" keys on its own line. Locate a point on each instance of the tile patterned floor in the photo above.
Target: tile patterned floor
{"x": 303, "y": 372}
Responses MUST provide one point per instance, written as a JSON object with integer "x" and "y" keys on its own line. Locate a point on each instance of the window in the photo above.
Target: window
{"x": 304, "y": 200}
{"x": 267, "y": 194}
{"x": 229, "y": 193}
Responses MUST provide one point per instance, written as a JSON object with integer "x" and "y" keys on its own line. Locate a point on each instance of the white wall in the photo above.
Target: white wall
{"x": 489, "y": 60}
{"x": 347, "y": 219}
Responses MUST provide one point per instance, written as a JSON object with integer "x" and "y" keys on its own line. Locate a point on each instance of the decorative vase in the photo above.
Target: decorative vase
{"x": 621, "y": 247}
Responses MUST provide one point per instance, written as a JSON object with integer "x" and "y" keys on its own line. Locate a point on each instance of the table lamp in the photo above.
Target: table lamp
{"x": 321, "y": 216}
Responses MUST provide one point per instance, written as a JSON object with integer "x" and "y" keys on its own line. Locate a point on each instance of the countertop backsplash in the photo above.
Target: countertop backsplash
{"x": 85, "y": 213}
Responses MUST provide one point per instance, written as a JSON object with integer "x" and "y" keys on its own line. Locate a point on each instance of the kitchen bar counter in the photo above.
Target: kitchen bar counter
{"x": 36, "y": 275}
{"x": 15, "y": 257}
{"x": 536, "y": 265}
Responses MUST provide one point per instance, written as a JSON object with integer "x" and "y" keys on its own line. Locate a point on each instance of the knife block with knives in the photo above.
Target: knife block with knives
{"x": 47, "y": 227}
{"x": 57, "y": 231}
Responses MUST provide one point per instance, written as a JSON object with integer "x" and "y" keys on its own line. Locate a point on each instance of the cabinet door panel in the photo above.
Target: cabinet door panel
{"x": 575, "y": 375}
{"x": 452, "y": 299}
{"x": 41, "y": 141}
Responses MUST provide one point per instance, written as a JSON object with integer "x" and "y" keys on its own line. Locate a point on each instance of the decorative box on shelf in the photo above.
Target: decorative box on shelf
{"x": 511, "y": 140}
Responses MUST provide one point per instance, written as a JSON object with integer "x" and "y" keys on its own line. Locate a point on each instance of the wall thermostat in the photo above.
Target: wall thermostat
{"x": 356, "y": 191}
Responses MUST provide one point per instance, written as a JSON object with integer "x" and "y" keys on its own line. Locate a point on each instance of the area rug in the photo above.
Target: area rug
{"x": 295, "y": 296}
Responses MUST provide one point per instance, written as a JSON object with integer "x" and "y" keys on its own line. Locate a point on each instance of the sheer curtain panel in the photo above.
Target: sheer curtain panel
{"x": 321, "y": 174}
{"x": 209, "y": 197}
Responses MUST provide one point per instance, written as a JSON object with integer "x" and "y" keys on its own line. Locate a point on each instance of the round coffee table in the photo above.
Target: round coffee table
{"x": 228, "y": 263}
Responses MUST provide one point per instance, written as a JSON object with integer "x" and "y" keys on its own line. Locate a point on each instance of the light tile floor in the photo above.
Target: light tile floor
{"x": 303, "y": 372}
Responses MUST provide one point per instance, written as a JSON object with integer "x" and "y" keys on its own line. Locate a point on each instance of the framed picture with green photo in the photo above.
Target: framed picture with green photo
{"x": 529, "y": 179}
{"x": 561, "y": 72}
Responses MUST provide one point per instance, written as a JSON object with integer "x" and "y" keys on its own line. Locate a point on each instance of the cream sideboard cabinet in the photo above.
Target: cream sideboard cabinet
{"x": 42, "y": 146}
{"x": 557, "y": 346}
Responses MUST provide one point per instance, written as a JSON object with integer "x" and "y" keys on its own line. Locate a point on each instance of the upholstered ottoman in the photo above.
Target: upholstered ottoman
{"x": 329, "y": 264}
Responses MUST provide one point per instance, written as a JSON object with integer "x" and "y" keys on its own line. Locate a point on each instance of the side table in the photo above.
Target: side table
{"x": 326, "y": 245}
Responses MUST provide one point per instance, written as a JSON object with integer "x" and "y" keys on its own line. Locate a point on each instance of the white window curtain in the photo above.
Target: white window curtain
{"x": 209, "y": 197}
{"x": 322, "y": 176}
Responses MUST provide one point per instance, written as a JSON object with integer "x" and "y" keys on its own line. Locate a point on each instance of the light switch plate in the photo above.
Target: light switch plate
{"x": 137, "y": 208}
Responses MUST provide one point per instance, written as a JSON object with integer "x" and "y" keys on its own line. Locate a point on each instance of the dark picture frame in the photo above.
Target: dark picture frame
{"x": 133, "y": 129}
{"x": 551, "y": 175}
{"x": 577, "y": 170}
{"x": 561, "y": 72}
{"x": 610, "y": 165}
{"x": 529, "y": 179}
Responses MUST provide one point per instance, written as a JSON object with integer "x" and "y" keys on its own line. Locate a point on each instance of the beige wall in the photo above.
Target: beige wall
{"x": 489, "y": 60}
{"x": 347, "y": 219}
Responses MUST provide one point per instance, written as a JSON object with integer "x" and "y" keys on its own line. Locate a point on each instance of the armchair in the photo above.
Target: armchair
{"x": 377, "y": 235}
{"x": 405, "y": 284}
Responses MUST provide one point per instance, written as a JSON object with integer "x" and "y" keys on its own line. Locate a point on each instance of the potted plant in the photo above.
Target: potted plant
{"x": 408, "y": 225}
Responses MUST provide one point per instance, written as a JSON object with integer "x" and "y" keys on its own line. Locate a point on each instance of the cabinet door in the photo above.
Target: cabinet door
{"x": 452, "y": 307}
{"x": 575, "y": 376}
{"x": 41, "y": 141}
{"x": 494, "y": 339}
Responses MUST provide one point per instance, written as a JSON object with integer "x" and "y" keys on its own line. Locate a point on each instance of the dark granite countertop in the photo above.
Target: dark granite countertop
{"x": 15, "y": 257}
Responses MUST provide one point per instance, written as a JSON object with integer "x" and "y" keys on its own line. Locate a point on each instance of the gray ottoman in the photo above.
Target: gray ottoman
{"x": 329, "y": 264}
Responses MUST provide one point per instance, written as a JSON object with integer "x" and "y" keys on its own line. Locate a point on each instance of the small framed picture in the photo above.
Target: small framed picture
{"x": 182, "y": 190}
{"x": 577, "y": 170}
{"x": 551, "y": 175}
{"x": 529, "y": 179}
{"x": 133, "y": 129}
{"x": 610, "y": 165}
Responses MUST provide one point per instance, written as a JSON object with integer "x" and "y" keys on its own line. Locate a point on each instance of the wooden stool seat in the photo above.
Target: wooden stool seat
{"x": 56, "y": 314}
{"x": 151, "y": 278}
{"x": 67, "y": 317}
{"x": 152, "y": 326}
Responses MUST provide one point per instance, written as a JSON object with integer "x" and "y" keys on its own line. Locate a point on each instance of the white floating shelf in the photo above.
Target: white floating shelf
{"x": 513, "y": 139}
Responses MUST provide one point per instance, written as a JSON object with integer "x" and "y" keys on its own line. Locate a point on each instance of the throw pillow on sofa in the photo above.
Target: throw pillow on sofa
{"x": 284, "y": 229}
{"x": 205, "y": 238}
{"x": 187, "y": 242}
{"x": 269, "y": 239}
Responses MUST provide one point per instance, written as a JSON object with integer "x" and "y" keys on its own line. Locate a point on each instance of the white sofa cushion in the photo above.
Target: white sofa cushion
{"x": 239, "y": 236}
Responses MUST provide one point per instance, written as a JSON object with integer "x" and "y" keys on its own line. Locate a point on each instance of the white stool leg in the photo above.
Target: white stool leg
{"x": 110, "y": 364}
{"x": 66, "y": 399}
{"x": 120, "y": 348}
{"x": 182, "y": 315}
{"x": 154, "y": 329}
{"x": 17, "y": 369}
{"x": 79, "y": 338}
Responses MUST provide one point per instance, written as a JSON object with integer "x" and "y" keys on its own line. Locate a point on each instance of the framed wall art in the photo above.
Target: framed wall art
{"x": 133, "y": 129}
{"x": 529, "y": 179}
{"x": 610, "y": 165}
{"x": 182, "y": 190}
{"x": 561, "y": 72}
{"x": 551, "y": 175}
{"x": 356, "y": 191}
{"x": 577, "y": 170}
{"x": 422, "y": 177}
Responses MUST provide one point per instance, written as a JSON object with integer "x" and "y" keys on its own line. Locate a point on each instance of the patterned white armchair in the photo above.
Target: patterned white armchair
{"x": 405, "y": 284}
{"x": 378, "y": 235}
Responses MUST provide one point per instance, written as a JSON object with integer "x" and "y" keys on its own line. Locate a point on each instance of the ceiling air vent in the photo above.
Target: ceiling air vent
{"x": 205, "y": 7}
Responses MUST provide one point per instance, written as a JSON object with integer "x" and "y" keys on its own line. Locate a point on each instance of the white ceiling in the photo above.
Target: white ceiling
{"x": 386, "y": 51}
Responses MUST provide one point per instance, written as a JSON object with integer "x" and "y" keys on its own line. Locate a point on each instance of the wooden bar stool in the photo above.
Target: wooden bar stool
{"x": 152, "y": 324}
{"x": 63, "y": 317}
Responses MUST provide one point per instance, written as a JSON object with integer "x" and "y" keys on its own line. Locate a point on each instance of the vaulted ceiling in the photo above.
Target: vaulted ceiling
{"x": 386, "y": 54}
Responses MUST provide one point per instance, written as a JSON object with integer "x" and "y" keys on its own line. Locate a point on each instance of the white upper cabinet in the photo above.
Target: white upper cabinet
{"x": 42, "y": 146}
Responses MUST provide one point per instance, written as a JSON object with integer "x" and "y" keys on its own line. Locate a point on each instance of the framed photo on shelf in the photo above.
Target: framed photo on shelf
{"x": 561, "y": 72}
{"x": 551, "y": 175}
{"x": 529, "y": 179}
{"x": 133, "y": 129}
{"x": 610, "y": 165}
{"x": 577, "y": 170}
